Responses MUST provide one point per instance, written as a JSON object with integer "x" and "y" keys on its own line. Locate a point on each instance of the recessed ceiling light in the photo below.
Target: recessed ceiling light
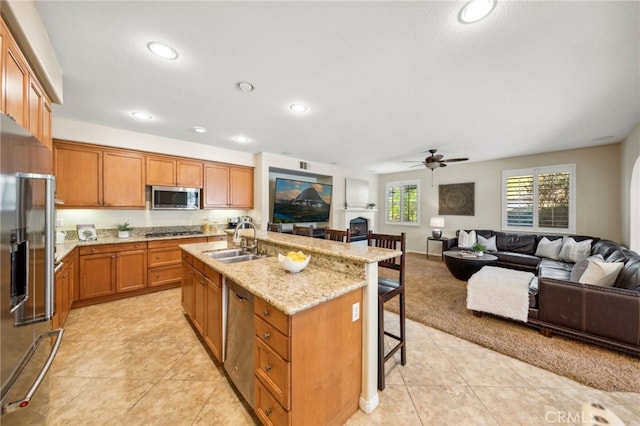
{"x": 475, "y": 10}
{"x": 298, "y": 108}
{"x": 141, "y": 115}
{"x": 241, "y": 139}
{"x": 244, "y": 86}
{"x": 199, "y": 129}
{"x": 162, "y": 50}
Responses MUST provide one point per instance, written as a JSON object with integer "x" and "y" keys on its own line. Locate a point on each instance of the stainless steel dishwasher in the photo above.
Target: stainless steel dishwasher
{"x": 240, "y": 330}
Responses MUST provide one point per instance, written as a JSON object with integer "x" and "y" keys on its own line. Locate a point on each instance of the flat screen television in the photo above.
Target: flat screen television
{"x": 297, "y": 201}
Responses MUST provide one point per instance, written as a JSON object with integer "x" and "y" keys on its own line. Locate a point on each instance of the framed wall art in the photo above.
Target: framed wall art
{"x": 456, "y": 199}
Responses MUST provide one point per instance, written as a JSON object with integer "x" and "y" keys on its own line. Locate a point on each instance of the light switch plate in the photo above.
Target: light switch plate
{"x": 355, "y": 312}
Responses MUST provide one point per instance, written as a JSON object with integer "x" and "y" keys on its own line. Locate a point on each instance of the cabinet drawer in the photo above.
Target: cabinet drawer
{"x": 164, "y": 256}
{"x": 273, "y": 372}
{"x": 272, "y": 315}
{"x": 112, "y": 248}
{"x": 272, "y": 337}
{"x": 269, "y": 411}
{"x": 214, "y": 276}
{"x": 186, "y": 257}
{"x": 217, "y": 238}
{"x": 165, "y": 275}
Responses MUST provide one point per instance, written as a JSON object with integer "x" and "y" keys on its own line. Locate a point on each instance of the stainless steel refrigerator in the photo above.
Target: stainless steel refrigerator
{"x": 27, "y": 300}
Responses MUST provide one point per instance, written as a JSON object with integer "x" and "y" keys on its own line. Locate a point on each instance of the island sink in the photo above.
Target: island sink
{"x": 233, "y": 255}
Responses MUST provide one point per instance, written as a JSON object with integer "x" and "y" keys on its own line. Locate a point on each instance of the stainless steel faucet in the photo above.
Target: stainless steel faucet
{"x": 243, "y": 239}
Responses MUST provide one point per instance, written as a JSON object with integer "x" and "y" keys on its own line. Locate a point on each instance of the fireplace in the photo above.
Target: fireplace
{"x": 359, "y": 227}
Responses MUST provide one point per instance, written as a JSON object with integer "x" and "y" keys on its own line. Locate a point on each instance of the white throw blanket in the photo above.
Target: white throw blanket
{"x": 500, "y": 291}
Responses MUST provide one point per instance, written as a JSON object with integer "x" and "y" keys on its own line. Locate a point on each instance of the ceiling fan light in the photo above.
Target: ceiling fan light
{"x": 433, "y": 165}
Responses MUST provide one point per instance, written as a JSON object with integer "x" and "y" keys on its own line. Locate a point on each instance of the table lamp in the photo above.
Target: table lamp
{"x": 437, "y": 223}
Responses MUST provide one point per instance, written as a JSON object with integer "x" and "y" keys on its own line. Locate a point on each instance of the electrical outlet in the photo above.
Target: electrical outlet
{"x": 60, "y": 222}
{"x": 355, "y": 312}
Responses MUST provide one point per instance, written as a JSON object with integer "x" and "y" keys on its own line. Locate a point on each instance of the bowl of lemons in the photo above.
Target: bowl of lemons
{"x": 294, "y": 261}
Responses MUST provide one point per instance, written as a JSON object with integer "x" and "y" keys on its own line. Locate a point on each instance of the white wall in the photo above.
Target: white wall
{"x": 597, "y": 186}
{"x": 630, "y": 190}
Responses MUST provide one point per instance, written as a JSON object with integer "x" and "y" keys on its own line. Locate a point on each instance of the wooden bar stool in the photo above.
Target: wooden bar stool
{"x": 337, "y": 235}
{"x": 389, "y": 288}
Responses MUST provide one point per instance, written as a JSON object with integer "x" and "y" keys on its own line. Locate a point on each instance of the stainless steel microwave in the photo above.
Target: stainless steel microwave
{"x": 175, "y": 198}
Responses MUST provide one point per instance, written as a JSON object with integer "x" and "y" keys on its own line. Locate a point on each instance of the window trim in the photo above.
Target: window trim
{"x": 402, "y": 184}
{"x": 535, "y": 171}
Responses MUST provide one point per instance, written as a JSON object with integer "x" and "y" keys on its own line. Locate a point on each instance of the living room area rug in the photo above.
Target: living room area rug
{"x": 436, "y": 299}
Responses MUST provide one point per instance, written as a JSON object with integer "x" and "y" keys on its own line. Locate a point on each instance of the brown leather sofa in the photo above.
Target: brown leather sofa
{"x": 606, "y": 316}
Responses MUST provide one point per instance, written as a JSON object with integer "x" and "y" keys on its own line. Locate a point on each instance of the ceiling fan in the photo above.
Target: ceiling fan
{"x": 434, "y": 161}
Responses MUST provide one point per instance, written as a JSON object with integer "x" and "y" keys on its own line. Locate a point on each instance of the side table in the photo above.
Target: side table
{"x": 446, "y": 243}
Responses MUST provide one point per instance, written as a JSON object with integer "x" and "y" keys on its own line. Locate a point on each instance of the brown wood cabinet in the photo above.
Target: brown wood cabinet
{"x": 173, "y": 171}
{"x": 314, "y": 352}
{"x": 64, "y": 292}
{"x": 23, "y": 98}
{"x": 165, "y": 260}
{"x": 91, "y": 176}
{"x": 112, "y": 268}
{"x": 202, "y": 301}
{"x": 227, "y": 186}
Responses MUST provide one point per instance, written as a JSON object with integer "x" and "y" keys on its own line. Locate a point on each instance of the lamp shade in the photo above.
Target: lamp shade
{"x": 437, "y": 222}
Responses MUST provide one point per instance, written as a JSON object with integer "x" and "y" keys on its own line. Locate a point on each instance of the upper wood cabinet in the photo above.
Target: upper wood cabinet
{"x": 96, "y": 177}
{"x": 227, "y": 186}
{"x": 15, "y": 80}
{"x": 23, "y": 98}
{"x": 171, "y": 171}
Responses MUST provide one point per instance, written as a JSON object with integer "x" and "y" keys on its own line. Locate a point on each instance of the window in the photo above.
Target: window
{"x": 539, "y": 199}
{"x": 402, "y": 203}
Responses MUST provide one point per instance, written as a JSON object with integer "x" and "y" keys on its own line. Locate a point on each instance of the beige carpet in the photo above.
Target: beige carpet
{"x": 437, "y": 299}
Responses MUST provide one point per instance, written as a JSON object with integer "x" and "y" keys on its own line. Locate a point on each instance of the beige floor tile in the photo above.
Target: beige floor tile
{"x": 516, "y": 405}
{"x": 170, "y": 402}
{"x": 540, "y": 378}
{"x": 224, "y": 408}
{"x": 450, "y": 405}
{"x": 105, "y": 402}
{"x": 482, "y": 367}
{"x": 195, "y": 365}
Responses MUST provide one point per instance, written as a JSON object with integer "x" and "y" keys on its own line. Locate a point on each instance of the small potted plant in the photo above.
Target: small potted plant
{"x": 123, "y": 229}
{"x": 371, "y": 205}
{"x": 478, "y": 249}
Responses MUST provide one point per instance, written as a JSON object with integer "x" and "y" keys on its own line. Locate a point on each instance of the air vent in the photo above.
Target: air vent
{"x": 304, "y": 165}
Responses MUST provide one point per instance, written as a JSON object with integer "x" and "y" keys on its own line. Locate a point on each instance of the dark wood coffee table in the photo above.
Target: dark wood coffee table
{"x": 463, "y": 267}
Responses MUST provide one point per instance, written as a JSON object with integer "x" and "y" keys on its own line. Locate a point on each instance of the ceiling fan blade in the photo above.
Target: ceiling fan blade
{"x": 416, "y": 165}
{"x": 412, "y": 161}
{"x": 453, "y": 160}
{"x": 443, "y": 164}
{"x": 437, "y": 157}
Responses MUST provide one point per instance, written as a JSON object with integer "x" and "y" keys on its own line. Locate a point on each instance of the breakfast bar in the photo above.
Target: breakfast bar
{"x": 338, "y": 275}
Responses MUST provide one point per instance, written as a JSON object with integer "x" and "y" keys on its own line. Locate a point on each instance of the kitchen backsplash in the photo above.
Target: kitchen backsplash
{"x": 142, "y": 221}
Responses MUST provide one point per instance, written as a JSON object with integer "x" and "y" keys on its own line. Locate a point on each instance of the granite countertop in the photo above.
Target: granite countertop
{"x": 63, "y": 250}
{"x": 292, "y": 293}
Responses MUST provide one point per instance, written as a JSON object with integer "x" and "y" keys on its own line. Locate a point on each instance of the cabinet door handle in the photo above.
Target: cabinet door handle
{"x": 157, "y": 257}
{"x": 266, "y": 313}
{"x": 267, "y": 368}
{"x": 266, "y": 336}
{"x": 268, "y": 412}
{"x": 202, "y": 282}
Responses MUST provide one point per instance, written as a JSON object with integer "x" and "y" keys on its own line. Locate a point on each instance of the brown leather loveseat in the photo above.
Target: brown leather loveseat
{"x": 606, "y": 315}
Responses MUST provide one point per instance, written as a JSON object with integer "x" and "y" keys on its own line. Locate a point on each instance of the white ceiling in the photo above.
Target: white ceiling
{"x": 383, "y": 81}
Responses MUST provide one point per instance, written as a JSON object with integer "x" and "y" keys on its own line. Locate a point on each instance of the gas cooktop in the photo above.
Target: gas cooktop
{"x": 172, "y": 233}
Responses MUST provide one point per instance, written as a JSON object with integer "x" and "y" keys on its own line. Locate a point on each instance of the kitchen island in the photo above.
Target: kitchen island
{"x": 330, "y": 308}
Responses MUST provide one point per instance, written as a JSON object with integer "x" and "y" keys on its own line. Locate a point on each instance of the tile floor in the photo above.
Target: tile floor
{"x": 137, "y": 362}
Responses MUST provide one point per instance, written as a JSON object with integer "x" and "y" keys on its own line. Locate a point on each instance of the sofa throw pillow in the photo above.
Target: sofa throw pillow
{"x": 489, "y": 243}
{"x": 466, "y": 240}
{"x": 573, "y": 251}
{"x": 579, "y": 267}
{"x": 601, "y": 273}
{"x": 549, "y": 249}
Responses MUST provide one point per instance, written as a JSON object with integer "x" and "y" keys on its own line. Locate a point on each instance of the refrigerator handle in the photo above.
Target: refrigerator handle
{"x": 24, "y": 401}
{"x": 49, "y": 246}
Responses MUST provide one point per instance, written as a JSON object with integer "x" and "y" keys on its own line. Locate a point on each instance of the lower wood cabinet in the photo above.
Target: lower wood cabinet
{"x": 112, "y": 268}
{"x": 308, "y": 366}
{"x": 64, "y": 285}
{"x": 165, "y": 261}
{"x": 202, "y": 301}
